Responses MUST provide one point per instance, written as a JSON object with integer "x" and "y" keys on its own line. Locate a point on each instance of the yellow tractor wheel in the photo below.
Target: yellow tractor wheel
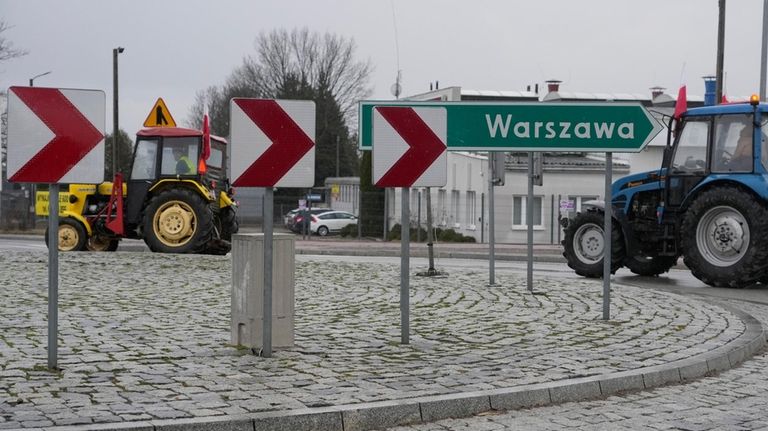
{"x": 72, "y": 235}
{"x": 177, "y": 221}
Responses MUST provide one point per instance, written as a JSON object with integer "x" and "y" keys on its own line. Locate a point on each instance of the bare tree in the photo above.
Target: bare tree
{"x": 325, "y": 62}
{"x": 7, "y": 51}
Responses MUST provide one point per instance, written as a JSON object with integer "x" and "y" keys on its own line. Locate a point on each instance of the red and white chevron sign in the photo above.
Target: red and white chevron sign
{"x": 273, "y": 142}
{"x": 409, "y": 146}
{"x": 55, "y": 135}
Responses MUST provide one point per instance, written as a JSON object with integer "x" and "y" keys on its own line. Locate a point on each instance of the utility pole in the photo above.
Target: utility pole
{"x": 720, "y": 53}
{"x": 115, "y": 127}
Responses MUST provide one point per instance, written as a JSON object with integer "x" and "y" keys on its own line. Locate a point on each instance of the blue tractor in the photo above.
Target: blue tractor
{"x": 707, "y": 203}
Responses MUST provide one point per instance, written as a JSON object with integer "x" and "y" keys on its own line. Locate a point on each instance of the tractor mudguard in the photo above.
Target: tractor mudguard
{"x": 79, "y": 218}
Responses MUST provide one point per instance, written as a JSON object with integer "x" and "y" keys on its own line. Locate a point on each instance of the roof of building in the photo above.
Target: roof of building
{"x": 567, "y": 162}
{"x": 498, "y": 95}
{"x": 596, "y": 97}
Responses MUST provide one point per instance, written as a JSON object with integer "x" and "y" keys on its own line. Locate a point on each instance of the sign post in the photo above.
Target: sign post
{"x": 272, "y": 146}
{"x": 53, "y": 276}
{"x": 491, "y": 223}
{"x": 405, "y": 264}
{"x": 529, "y": 222}
{"x": 410, "y": 152}
{"x": 607, "y": 234}
{"x": 55, "y": 136}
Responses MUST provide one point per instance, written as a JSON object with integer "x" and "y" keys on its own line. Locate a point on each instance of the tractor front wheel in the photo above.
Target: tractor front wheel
{"x": 177, "y": 221}
{"x": 584, "y": 245}
{"x": 72, "y": 235}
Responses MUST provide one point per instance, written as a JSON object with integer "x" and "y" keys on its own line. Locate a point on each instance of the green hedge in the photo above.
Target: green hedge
{"x": 441, "y": 235}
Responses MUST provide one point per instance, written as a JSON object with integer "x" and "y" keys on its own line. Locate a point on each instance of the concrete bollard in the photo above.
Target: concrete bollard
{"x": 248, "y": 290}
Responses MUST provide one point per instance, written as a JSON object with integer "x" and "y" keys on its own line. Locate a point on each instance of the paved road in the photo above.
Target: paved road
{"x": 142, "y": 340}
{"x": 146, "y": 337}
{"x": 733, "y": 400}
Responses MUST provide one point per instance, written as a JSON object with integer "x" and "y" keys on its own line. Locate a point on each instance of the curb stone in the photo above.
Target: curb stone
{"x": 385, "y": 414}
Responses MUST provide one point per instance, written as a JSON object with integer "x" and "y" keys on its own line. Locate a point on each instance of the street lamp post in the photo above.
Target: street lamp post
{"x": 32, "y": 79}
{"x": 115, "y": 126}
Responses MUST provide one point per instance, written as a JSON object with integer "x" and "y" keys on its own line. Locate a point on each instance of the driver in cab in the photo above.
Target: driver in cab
{"x": 184, "y": 166}
{"x": 742, "y": 155}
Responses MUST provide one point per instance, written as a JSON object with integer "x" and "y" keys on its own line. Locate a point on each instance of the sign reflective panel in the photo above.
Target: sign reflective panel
{"x": 409, "y": 146}
{"x": 55, "y": 135}
{"x": 273, "y": 142}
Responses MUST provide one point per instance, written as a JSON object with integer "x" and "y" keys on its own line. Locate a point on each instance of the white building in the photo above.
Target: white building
{"x": 462, "y": 205}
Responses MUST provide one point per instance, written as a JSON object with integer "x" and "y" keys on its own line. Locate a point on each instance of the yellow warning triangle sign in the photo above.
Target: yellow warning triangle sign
{"x": 159, "y": 116}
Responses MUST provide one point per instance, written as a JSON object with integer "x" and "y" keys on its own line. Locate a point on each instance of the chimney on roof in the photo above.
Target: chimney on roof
{"x": 656, "y": 92}
{"x": 553, "y": 85}
{"x": 710, "y": 83}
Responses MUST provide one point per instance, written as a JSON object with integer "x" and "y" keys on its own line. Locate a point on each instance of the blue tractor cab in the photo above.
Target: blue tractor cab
{"x": 708, "y": 202}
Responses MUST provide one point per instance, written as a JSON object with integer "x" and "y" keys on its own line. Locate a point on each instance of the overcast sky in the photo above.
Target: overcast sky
{"x": 174, "y": 48}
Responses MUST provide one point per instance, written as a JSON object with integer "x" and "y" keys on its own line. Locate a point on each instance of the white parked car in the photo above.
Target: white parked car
{"x": 331, "y": 221}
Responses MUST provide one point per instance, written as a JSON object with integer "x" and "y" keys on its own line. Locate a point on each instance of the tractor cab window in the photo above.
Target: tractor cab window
{"x": 145, "y": 160}
{"x": 733, "y": 144}
{"x": 216, "y": 159}
{"x": 691, "y": 153}
{"x": 180, "y": 156}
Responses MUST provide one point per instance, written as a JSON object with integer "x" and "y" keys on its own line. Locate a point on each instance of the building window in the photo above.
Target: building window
{"x": 442, "y": 215}
{"x": 455, "y": 200}
{"x": 577, "y": 202}
{"x": 470, "y": 213}
{"x": 520, "y": 211}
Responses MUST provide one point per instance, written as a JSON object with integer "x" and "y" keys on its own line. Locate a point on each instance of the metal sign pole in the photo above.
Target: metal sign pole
{"x": 266, "y": 349}
{"x": 53, "y": 275}
{"x": 491, "y": 222}
{"x": 607, "y": 234}
{"x": 386, "y": 215}
{"x": 529, "y": 222}
{"x": 405, "y": 238}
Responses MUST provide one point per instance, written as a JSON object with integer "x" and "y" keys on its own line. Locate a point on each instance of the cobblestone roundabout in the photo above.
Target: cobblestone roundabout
{"x": 146, "y": 336}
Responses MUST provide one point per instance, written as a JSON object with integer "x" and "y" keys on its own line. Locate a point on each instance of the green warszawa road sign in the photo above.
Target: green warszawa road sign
{"x": 505, "y": 126}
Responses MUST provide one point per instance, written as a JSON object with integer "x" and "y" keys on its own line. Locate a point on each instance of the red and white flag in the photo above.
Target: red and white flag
{"x": 681, "y": 105}
{"x": 206, "y": 152}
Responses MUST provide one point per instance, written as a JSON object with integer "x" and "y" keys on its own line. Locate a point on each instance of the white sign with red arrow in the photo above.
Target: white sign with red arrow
{"x": 273, "y": 142}
{"x": 55, "y": 135}
{"x": 409, "y": 146}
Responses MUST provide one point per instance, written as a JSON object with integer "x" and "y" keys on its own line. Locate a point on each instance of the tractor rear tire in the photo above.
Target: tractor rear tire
{"x": 229, "y": 223}
{"x": 177, "y": 221}
{"x": 72, "y": 235}
{"x": 723, "y": 234}
{"x": 101, "y": 243}
{"x": 649, "y": 266}
{"x": 584, "y": 244}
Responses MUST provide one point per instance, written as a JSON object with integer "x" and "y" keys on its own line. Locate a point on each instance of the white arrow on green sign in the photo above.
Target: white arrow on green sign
{"x": 504, "y": 126}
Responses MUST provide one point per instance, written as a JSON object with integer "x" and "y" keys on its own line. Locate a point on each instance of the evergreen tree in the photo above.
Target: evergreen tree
{"x": 124, "y": 156}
